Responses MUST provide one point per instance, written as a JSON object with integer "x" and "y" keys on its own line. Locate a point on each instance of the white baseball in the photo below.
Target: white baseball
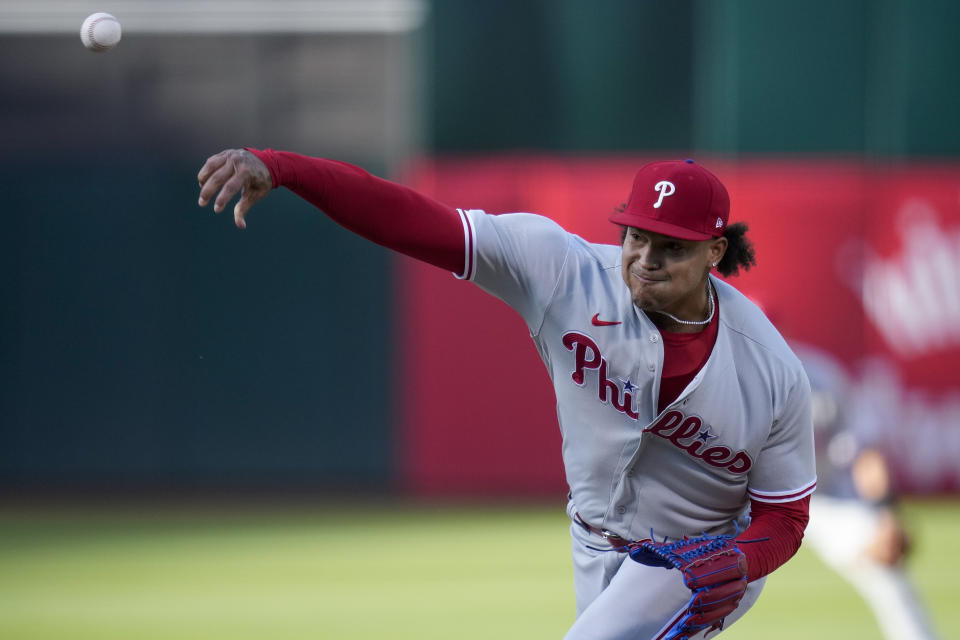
{"x": 100, "y": 32}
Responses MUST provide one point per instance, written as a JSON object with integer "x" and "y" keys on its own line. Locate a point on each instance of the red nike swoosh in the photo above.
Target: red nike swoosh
{"x": 597, "y": 322}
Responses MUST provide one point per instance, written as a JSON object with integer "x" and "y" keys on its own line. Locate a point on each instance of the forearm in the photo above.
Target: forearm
{"x": 778, "y": 529}
{"x": 383, "y": 212}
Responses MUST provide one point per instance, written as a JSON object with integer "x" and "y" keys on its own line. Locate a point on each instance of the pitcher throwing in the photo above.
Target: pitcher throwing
{"x": 686, "y": 419}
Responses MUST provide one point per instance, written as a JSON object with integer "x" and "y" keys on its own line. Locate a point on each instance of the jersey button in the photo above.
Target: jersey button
{"x": 654, "y": 338}
{"x": 652, "y": 367}
{"x": 621, "y": 509}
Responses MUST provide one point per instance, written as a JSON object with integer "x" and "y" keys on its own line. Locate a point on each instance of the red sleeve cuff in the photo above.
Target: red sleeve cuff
{"x": 270, "y": 159}
{"x": 778, "y": 531}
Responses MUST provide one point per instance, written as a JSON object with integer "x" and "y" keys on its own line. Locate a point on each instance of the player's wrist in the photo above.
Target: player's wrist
{"x": 270, "y": 159}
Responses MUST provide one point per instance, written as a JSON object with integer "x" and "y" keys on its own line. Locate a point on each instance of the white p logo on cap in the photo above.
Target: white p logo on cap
{"x": 664, "y": 188}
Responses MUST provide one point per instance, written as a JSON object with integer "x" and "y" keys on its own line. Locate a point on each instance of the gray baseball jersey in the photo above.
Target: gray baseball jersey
{"x": 741, "y": 429}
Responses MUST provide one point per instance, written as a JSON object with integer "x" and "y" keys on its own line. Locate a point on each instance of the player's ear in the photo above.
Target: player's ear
{"x": 716, "y": 250}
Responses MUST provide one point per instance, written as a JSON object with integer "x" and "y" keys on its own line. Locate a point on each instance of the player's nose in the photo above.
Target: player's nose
{"x": 649, "y": 259}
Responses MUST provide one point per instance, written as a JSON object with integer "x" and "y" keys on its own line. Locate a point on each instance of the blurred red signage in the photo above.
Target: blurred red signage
{"x": 859, "y": 261}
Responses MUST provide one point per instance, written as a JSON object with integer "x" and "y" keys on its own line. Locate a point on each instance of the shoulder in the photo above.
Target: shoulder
{"x": 537, "y": 233}
{"x": 750, "y": 329}
{"x": 605, "y": 256}
{"x": 489, "y": 226}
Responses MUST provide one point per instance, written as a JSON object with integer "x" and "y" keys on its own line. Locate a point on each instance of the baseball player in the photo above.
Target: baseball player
{"x": 682, "y": 410}
{"x": 854, "y": 524}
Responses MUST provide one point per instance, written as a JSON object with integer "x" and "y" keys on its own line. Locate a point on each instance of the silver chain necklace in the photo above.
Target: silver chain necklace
{"x": 713, "y": 308}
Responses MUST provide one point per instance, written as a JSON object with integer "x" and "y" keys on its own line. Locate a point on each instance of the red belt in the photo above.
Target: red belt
{"x": 618, "y": 543}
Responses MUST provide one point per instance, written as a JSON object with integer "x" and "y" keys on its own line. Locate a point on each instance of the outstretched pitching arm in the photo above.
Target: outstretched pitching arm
{"x": 381, "y": 211}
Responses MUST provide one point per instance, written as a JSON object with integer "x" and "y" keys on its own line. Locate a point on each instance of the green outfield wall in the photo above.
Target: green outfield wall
{"x": 728, "y": 76}
{"x": 147, "y": 342}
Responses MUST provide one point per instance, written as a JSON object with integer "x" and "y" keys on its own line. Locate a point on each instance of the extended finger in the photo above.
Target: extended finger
{"x": 240, "y": 213}
{"x": 213, "y": 163}
{"x": 215, "y": 181}
{"x": 250, "y": 196}
{"x": 243, "y": 205}
{"x": 230, "y": 188}
{"x": 221, "y": 169}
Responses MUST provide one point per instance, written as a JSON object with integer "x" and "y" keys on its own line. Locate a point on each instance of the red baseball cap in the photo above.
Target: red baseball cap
{"x": 679, "y": 199}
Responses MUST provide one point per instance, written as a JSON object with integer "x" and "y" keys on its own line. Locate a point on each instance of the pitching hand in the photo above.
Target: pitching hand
{"x": 232, "y": 171}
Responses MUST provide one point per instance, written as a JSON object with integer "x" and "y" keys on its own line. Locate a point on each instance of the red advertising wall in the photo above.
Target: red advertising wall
{"x": 860, "y": 262}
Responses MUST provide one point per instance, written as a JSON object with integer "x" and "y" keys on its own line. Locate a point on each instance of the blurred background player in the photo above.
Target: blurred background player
{"x": 854, "y": 523}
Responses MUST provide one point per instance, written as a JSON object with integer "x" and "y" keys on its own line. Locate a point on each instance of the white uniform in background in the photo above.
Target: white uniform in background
{"x": 843, "y": 524}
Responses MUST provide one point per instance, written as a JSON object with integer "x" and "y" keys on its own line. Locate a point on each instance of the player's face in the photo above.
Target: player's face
{"x": 669, "y": 274}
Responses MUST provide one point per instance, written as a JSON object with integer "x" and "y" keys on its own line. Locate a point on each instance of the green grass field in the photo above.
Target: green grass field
{"x": 397, "y": 572}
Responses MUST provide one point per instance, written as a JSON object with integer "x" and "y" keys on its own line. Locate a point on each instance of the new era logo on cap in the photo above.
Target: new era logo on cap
{"x": 677, "y": 199}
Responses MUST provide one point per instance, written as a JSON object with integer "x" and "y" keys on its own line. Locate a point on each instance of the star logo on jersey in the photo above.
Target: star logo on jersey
{"x": 627, "y": 385}
{"x": 597, "y": 322}
{"x": 705, "y": 436}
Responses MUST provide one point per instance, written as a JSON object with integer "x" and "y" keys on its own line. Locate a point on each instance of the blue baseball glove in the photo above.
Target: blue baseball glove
{"x": 713, "y": 568}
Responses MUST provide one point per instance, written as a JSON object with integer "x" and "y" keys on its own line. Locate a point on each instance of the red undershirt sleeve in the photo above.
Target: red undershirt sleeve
{"x": 783, "y": 523}
{"x": 383, "y": 212}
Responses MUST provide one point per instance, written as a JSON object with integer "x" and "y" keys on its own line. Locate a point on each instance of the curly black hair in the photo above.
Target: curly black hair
{"x": 740, "y": 251}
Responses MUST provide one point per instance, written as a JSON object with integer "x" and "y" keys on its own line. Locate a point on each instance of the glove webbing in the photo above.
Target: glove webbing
{"x": 674, "y": 554}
